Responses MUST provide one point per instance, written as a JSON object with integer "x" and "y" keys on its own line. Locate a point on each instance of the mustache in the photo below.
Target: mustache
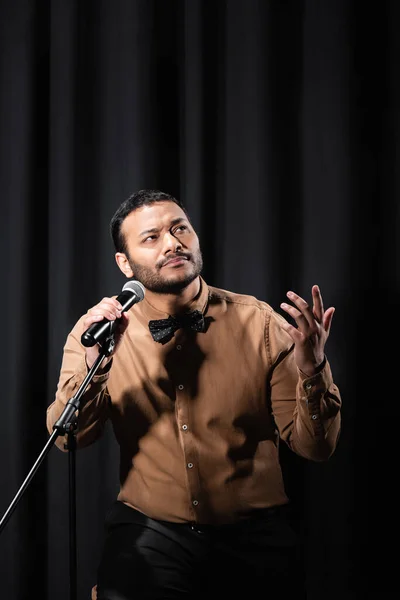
{"x": 186, "y": 255}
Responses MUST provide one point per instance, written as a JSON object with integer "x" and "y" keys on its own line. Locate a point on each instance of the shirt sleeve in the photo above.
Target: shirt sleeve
{"x": 306, "y": 410}
{"x": 94, "y": 404}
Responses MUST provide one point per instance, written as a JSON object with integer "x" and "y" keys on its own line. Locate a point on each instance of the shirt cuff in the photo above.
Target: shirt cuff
{"x": 319, "y": 369}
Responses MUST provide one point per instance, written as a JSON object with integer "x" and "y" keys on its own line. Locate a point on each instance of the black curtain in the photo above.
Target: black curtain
{"x": 277, "y": 123}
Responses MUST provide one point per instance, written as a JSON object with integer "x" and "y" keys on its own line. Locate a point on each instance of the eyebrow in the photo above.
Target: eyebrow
{"x": 156, "y": 230}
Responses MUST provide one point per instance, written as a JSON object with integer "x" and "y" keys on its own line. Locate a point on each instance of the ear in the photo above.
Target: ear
{"x": 123, "y": 264}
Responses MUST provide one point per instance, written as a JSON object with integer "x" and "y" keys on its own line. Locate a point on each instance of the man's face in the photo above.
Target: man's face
{"x": 163, "y": 251}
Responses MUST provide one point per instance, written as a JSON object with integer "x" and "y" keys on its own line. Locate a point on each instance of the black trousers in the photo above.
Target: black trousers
{"x": 147, "y": 559}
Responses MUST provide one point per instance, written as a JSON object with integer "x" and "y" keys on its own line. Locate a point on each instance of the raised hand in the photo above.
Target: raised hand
{"x": 313, "y": 327}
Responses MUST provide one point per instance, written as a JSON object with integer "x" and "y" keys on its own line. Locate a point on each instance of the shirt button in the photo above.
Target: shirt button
{"x": 190, "y": 465}
{"x": 180, "y": 387}
{"x": 184, "y": 427}
{"x": 314, "y": 417}
{"x": 179, "y": 347}
{"x": 308, "y": 386}
{"x": 195, "y": 502}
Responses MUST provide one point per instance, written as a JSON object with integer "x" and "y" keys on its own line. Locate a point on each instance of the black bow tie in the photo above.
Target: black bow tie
{"x": 162, "y": 330}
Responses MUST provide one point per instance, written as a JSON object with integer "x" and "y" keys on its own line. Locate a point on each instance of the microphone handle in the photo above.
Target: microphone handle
{"x": 97, "y": 331}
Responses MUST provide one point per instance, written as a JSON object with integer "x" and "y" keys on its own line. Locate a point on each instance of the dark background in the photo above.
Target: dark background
{"x": 277, "y": 124}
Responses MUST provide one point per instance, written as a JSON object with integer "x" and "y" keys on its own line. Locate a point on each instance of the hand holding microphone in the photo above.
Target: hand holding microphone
{"x": 99, "y": 319}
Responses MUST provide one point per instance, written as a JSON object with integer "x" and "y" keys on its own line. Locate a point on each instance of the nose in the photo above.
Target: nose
{"x": 171, "y": 243}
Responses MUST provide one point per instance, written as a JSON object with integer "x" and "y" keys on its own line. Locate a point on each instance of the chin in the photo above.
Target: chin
{"x": 178, "y": 283}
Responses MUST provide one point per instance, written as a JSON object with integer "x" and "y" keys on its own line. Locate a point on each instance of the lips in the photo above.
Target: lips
{"x": 177, "y": 260}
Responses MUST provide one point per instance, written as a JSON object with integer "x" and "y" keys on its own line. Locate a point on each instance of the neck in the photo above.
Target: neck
{"x": 174, "y": 303}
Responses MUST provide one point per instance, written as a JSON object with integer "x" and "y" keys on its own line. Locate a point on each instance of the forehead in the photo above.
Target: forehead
{"x": 158, "y": 215}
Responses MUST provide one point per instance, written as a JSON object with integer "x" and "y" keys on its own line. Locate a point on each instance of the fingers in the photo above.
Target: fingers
{"x": 301, "y": 312}
{"x": 327, "y": 320}
{"x": 318, "y": 306}
{"x": 108, "y": 308}
{"x": 323, "y": 316}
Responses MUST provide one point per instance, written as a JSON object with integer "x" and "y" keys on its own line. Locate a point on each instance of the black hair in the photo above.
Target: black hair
{"x": 135, "y": 201}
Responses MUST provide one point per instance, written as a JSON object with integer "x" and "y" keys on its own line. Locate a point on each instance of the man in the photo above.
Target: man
{"x": 201, "y": 386}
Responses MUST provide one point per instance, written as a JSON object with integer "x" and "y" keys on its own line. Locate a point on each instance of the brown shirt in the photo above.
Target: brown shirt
{"x": 198, "y": 419}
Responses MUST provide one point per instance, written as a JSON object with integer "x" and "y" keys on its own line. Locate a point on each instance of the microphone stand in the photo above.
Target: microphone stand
{"x": 67, "y": 425}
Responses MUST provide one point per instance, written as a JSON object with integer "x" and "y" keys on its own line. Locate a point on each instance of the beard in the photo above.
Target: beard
{"x": 156, "y": 282}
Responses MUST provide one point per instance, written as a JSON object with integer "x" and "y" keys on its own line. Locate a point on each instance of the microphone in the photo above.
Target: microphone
{"x": 132, "y": 292}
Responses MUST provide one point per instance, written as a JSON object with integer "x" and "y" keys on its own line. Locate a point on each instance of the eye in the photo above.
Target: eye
{"x": 180, "y": 229}
{"x": 149, "y": 238}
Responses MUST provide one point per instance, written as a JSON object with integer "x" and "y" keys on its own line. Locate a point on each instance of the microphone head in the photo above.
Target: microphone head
{"x": 136, "y": 287}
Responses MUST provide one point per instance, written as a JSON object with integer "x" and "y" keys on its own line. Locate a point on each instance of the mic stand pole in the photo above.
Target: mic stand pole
{"x": 67, "y": 425}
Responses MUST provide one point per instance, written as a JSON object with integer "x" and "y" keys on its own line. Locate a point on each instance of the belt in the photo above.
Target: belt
{"x": 257, "y": 515}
